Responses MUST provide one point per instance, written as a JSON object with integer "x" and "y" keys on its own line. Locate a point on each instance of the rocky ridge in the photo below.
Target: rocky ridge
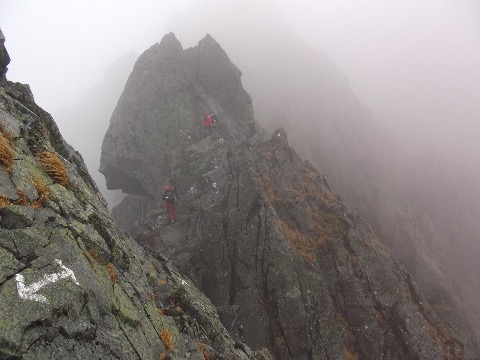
{"x": 424, "y": 207}
{"x": 259, "y": 231}
{"x": 71, "y": 284}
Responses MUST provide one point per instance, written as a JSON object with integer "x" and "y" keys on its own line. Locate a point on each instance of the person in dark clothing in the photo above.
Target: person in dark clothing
{"x": 214, "y": 120}
{"x": 169, "y": 199}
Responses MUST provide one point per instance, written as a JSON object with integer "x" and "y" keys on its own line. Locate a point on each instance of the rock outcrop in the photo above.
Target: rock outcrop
{"x": 424, "y": 208}
{"x": 4, "y": 57}
{"x": 159, "y": 105}
{"x": 287, "y": 265}
{"x": 71, "y": 284}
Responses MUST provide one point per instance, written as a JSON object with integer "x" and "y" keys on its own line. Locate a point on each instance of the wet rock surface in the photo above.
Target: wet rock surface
{"x": 4, "y": 57}
{"x": 288, "y": 266}
{"x": 71, "y": 284}
{"x": 165, "y": 95}
{"x": 424, "y": 207}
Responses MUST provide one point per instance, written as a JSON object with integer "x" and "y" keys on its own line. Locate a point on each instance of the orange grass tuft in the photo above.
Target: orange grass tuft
{"x": 54, "y": 167}
{"x": 94, "y": 255}
{"x": 4, "y": 201}
{"x": 42, "y": 191}
{"x": 301, "y": 243}
{"x": 352, "y": 338}
{"x": 160, "y": 311}
{"x": 167, "y": 340}
{"x": 22, "y": 198}
{"x": 113, "y": 274}
{"x": 328, "y": 222}
{"x": 6, "y": 154}
{"x": 204, "y": 349}
{"x": 349, "y": 355}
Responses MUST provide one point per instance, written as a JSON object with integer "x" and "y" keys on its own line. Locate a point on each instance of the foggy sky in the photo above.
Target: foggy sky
{"x": 414, "y": 63}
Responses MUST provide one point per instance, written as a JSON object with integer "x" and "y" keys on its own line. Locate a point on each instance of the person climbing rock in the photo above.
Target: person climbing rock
{"x": 214, "y": 120}
{"x": 169, "y": 198}
{"x": 208, "y": 122}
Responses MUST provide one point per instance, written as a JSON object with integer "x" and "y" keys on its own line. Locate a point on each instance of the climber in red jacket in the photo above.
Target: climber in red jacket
{"x": 207, "y": 121}
{"x": 169, "y": 198}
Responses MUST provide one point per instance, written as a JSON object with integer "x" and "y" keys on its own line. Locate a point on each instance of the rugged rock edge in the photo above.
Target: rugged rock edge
{"x": 259, "y": 231}
{"x": 71, "y": 284}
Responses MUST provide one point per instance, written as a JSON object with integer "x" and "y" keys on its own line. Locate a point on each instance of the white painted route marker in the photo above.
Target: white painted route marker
{"x": 30, "y": 292}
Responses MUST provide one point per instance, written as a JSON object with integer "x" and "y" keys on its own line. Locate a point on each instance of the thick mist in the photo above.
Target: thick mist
{"x": 62, "y": 48}
{"x": 413, "y": 64}
{"x": 383, "y": 97}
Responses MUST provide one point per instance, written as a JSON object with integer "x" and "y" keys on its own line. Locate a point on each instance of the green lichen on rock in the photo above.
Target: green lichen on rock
{"x": 9, "y": 265}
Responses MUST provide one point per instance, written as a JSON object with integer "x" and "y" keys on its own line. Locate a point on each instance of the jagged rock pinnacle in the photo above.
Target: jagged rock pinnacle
{"x": 166, "y": 93}
{"x": 170, "y": 44}
{"x": 4, "y": 57}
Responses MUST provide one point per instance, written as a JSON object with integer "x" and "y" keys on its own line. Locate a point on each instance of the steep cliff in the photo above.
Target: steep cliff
{"x": 71, "y": 284}
{"x": 287, "y": 265}
{"x": 156, "y": 110}
{"x": 424, "y": 208}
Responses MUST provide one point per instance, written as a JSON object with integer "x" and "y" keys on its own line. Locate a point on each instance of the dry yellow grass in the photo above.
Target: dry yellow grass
{"x": 94, "y": 255}
{"x": 328, "y": 222}
{"x": 267, "y": 185}
{"x": 4, "y": 201}
{"x": 204, "y": 349}
{"x": 54, "y": 167}
{"x": 341, "y": 318}
{"x": 309, "y": 178}
{"x": 167, "y": 340}
{"x": 349, "y": 355}
{"x": 113, "y": 274}
{"x": 42, "y": 191}
{"x": 6, "y": 154}
{"x": 22, "y": 198}
{"x": 352, "y": 338}
{"x": 301, "y": 243}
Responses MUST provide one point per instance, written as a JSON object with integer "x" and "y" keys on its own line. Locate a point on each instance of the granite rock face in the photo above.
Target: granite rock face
{"x": 71, "y": 284}
{"x": 424, "y": 207}
{"x": 288, "y": 266}
{"x": 166, "y": 93}
{"x": 4, "y": 57}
